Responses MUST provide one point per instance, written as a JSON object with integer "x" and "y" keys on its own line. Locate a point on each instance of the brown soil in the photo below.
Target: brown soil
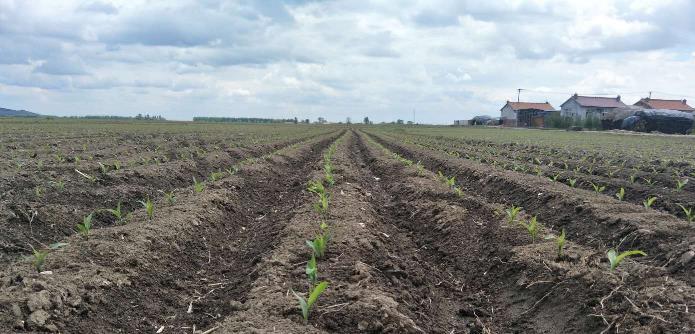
{"x": 406, "y": 255}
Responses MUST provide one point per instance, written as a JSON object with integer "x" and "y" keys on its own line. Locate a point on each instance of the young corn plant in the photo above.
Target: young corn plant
{"x": 232, "y": 170}
{"x": 420, "y": 168}
{"x": 620, "y": 194}
{"x": 306, "y": 304}
{"x": 117, "y": 213}
{"x": 598, "y": 188}
{"x": 311, "y": 270}
{"x": 680, "y": 184}
{"x": 38, "y": 258}
{"x": 572, "y": 182}
{"x": 214, "y": 176}
{"x": 149, "y": 207}
{"x": 458, "y": 192}
{"x": 86, "y": 226}
{"x": 560, "y": 242}
{"x": 59, "y": 185}
{"x": 169, "y": 197}
{"x": 649, "y": 202}
{"x": 689, "y": 213}
{"x": 198, "y": 187}
{"x": 328, "y": 173}
{"x": 532, "y": 228}
{"x": 512, "y": 213}
{"x": 103, "y": 168}
{"x": 614, "y": 258}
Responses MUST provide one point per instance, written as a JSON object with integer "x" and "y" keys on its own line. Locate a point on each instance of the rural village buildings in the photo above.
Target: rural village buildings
{"x": 534, "y": 114}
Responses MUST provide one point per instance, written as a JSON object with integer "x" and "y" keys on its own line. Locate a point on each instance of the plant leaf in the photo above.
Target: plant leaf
{"x": 318, "y": 290}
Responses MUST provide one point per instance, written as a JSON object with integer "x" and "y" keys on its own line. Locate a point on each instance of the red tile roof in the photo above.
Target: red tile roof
{"x": 531, "y": 105}
{"x": 599, "y": 102}
{"x": 664, "y": 104}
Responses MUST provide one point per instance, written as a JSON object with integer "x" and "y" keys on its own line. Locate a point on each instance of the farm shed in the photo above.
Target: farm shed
{"x": 649, "y": 120}
{"x": 580, "y": 107}
{"x": 649, "y": 103}
{"x": 510, "y": 112}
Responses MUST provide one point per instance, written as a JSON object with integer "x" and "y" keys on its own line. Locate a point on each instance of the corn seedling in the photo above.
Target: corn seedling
{"x": 117, "y": 165}
{"x": 614, "y": 258}
{"x": 680, "y": 184}
{"x": 316, "y": 187}
{"x": 318, "y": 245}
{"x": 620, "y": 194}
{"x": 572, "y": 182}
{"x": 169, "y": 197}
{"x": 532, "y": 228}
{"x": 450, "y": 181}
{"x": 214, "y": 176}
{"x": 117, "y": 213}
{"x": 328, "y": 171}
{"x": 59, "y": 185}
{"x": 458, "y": 191}
{"x": 38, "y": 258}
{"x": 420, "y": 168}
{"x": 103, "y": 168}
{"x": 311, "y": 270}
{"x": 306, "y": 304}
{"x": 538, "y": 171}
{"x": 38, "y": 191}
{"x": 633, "y": 178}
{"x": 86, "y": 226}
{"x": 689, "y": 214}
{"x": 598, "y": 188}
{"x": 560, "y": 242}
{"x": 649, "y": 181}
{"x": 232, "y": 170}
{"x": 149, "y": 207}
{"x": 198, "y": 187}
{"x": 512, "y": 213}
{"x": 649, "y": 201}
{"x": 554, "y": 178}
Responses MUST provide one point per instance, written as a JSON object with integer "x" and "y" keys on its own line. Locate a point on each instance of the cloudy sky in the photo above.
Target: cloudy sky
{"x": 439, "y": 60}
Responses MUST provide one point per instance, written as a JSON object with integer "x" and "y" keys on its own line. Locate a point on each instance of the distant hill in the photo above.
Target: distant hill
{"x": 17, "y": 113}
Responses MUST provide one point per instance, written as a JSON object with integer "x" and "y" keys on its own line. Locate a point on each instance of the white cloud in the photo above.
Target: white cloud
{"x": 444, "y": 59}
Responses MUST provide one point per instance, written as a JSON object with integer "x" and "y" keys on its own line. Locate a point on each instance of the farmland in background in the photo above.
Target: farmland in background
{"x": 178, "y": 227}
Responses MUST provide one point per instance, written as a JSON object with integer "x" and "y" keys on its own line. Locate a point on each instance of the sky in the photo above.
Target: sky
{"x": 434, "y": 61}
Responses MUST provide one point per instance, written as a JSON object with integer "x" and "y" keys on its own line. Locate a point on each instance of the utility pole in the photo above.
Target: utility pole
{"x": 518, "y": 93}
{"x": 650, "y": 94}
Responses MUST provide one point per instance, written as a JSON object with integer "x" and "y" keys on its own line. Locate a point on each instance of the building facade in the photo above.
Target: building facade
{"x": 582, "y": 106}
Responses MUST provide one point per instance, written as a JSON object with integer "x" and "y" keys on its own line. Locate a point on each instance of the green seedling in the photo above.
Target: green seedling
{"x": 620, "y": 194}
{"x": 532, "y": 228}
{"x": 214, "y": 176}
{"x": 149, "y": 207}
{"x": 614, "y": 258}
{"x": 316, "y": 187}
{"x": 104, "y": 169}
{"x": 512, "y": 213}
{"x": 572, "y": 182}
{"x": 560, "y": 242}
{"x": 117, "y": 165}
{"x": 689, "y": 214}
{"x": 328, "y": 172}
{"x": 554, "y": 178}
{"x": 633, "y": 178}
{"x": 38, "y": 259}
{"x": 198, "y": 187}
{"x": 59, "y": 185}
{"x": 538, "y": 171}
{"x": 318, "y": 245}
{"x": 232, "y": 170}
{"x": 311, "y": 270}
{"x": 169, "y": 197}
{"x": 649, "y": 181}
{"x": 649, "y": 202}
{"x": 598, "y": 188}
{"x": 450, "y": 181}
{"x": 680, "y": 184}
{"x": 458, "y": 192}
{"x": 38, "y": 191}
{"x": 86, "y": 226}
{"x": 117, "y": 213}
{"x": 420, "y": 168}
{"x": 306, "y": 304}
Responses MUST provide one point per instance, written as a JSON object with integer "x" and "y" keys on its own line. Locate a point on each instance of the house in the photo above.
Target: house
{"x": 649, "y": 103}
{"x": 582, "y": 106}
{"x": 511, "y": 111}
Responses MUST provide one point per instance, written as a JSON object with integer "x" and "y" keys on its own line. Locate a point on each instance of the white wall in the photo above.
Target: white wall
{"x": 508, "y": 112}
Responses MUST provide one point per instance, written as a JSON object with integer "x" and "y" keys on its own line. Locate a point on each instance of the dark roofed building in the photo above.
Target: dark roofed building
{"x": 649, "y": 103}
{"x": 511, "y": 111}
{"x": 582, "y": 106}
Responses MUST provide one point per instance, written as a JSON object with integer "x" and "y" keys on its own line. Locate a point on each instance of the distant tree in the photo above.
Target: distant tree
{"x": 321, "y": 120}
{"x": 400, "y": 121}
{"x": 348, "y": 121}
{"x": 366, "y": 120}
{"x": 307, "y": 121}
{"x": 410, "y": 122}
{"x": 295, "y": 120}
